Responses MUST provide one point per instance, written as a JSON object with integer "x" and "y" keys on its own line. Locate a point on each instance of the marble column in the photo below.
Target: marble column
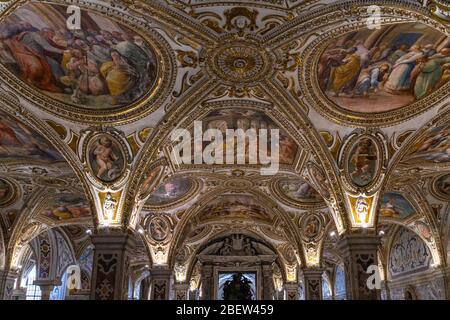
{"x": 145, "y": 289}
{"x": 268, "y": 288}
{"x": 359, "y": 251}
{"x": 291, "y": 291}
{"x": 312, "y": 280}
{"x": 207, "y": 282}
{"x": 20, "y": 294}
{"x": 181, "y": 291}
{"x": 160, "y": 287}
{"x": 194, "y": 294}
{"x": 7, "y": 280}
{"x": 111, "y": 266}
{"x": 279, "y": 294}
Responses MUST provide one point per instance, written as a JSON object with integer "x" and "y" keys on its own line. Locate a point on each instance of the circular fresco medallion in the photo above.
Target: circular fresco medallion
{"x": 441, "y": 187}
{"x": 298, "y": 192}
{"x": 106, "y": 158}
{"x": 171, "y": 191}
{"x": 100, "y": 67}
{"x": 378, "y": 76}
{"x": 159, "y": 228}
{"x": 7, "y": 192}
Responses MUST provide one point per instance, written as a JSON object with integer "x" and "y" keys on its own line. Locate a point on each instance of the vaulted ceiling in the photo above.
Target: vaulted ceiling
{"x": 354, "y": 121}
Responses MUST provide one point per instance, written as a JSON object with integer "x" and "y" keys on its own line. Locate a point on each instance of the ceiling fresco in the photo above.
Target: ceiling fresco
{"x": 297, "y": 192}
{"x": 170, "y": 191}
{"x": 87, "y": 118}
{"x": 237, "y": 118}
{"x": 394, "y": 205}
{"x": 67, "y": 207}
{"x": 102, "y": 65}
{"x": 377, "y": 71}
{"x": 433, "y": 147}
{"x": 20, "y": 143}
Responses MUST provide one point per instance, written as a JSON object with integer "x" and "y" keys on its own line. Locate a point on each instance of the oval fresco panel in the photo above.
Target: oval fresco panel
{"x": 101, "y": 66}
{"x": 159, "y": 228}
{"x": 6, "y": 192}
{"x": 18, "y": 142}
{"x": 68, "y": 207}
{"x": 370, "y": 71}
{"x": 299, "y": 191}
{"x": 362, "y": 163}
{"x": 170, "y": 191}
{"x": 394, "y": 205}
{"x": 106, "y": 158}
{"x": 441, "y": 186}
{"x": 311, "y": 226}
{"x": 433, "y": 147}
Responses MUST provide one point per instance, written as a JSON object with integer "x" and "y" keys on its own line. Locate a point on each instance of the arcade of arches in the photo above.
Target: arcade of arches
{"x": 94, "y": 204}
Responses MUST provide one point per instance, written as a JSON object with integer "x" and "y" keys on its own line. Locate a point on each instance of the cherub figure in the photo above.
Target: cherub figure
{"x": 105, "y": 157}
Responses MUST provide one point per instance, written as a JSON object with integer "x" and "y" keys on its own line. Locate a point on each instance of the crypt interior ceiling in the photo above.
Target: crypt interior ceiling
{"x": 87, "y": 119}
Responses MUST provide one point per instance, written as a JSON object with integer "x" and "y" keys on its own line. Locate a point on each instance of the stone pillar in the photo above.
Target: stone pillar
{"x": 160, "y": 287}
{"x": 359, "y": 252}
{"x": 20, "y": 294}
{"x": 279, "y": 294}
{"x": 194, "y": 294}
{"x": 181, "y": 291}
{"x": 46, "y": 287}
{"x": 268, "y": 289}
{"x": 7, "y": 280}
{"x": 207, "y": 282}
{"x": 291, "y": 291}
{"x": 312, "y": 280}
{"x": 111, "y": 266}
{"x": 145, "y": 288}
{"x": 386, "y": 289}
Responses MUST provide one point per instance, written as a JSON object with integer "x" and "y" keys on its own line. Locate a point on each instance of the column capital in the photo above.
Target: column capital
{"x": 113, "y": 241}
{"x": 358, "y": 242}
{"x": 313, "y": 272}
{"x": 46, "y": 286}
{"x": 160, "y": 272}
{"x": 47, "y": 282}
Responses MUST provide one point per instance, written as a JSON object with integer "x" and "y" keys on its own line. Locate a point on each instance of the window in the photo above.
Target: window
{"x": 33, "y": 291}
{"x": 326, "y": 291}
{"x": 339, "y": 284}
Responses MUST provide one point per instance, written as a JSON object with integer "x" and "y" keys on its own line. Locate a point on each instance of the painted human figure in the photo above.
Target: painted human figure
{"x": 105, "y": 157}
{"x": 109, "y": 206}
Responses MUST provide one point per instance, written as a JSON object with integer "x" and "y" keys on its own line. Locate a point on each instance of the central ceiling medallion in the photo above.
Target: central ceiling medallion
{"x": 240, "y": 62}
